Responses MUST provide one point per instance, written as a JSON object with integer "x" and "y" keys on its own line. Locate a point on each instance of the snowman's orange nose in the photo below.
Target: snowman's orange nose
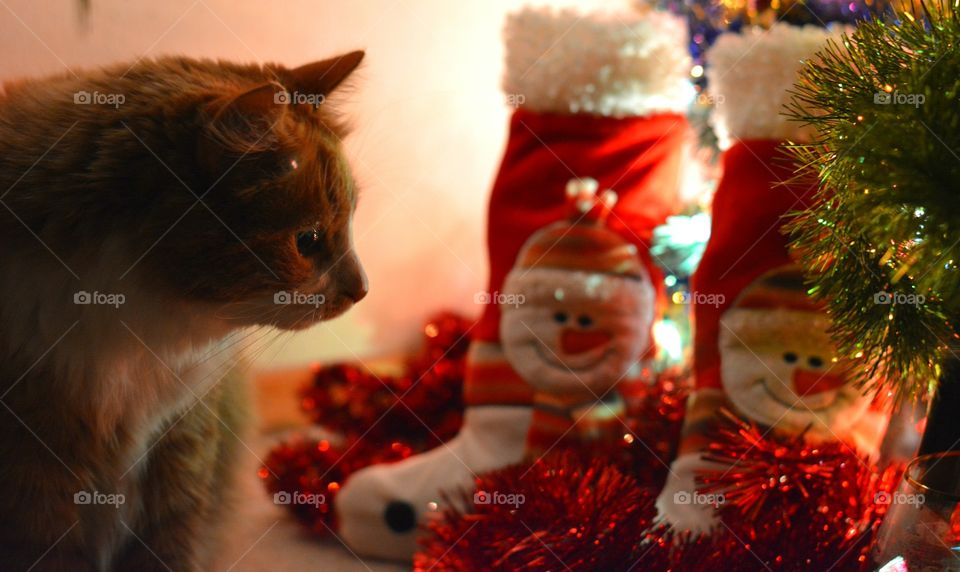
{"x": 812, "y": 382}
{"x": 579, "y": 341}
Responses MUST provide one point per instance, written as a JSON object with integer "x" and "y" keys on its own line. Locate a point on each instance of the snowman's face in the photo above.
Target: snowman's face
{"x": 571, "y": 330}
{"x": 780, "y": 368}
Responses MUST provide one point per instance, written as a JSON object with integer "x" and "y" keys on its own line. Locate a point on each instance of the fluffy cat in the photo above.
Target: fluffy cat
{"x": 147, "y": 214}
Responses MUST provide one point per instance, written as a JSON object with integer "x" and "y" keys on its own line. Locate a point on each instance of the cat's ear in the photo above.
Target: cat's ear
{"x": 258, "y": 102}
{"x": 241, "y": 126}
{"x": 322, "y": 77}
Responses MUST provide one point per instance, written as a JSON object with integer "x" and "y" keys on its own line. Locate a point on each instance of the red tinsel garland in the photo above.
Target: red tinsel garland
{"x": 381, "y": 419}
{"x": 305, "y": 475}
{"x": 792, "y": 506}
{"x": 654, "y": 419}
{"x": 422, "y": 407}
{"x": 788, "y": 505}
{"x": 765, "y": 469}
{"x": 555, "y": 514}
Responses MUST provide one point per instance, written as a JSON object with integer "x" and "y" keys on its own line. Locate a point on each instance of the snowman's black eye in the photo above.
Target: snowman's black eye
{"x": 790, "y": 357}
{"x": 560, "y": 317}
{"x": 815, "y": 361}
{"x": 585, "y": 321}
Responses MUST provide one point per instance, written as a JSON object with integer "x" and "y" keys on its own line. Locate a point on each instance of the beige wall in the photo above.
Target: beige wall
{"x": 429, "y": 118}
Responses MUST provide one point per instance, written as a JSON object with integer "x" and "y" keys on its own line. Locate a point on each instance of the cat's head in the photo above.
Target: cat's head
{"x": 270, "y": 240}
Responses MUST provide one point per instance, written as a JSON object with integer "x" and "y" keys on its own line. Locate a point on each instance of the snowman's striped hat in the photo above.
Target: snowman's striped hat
{"x": 782, "y": 287}
{"x": 771, "y": 307}
{"x": 583, "y": 242}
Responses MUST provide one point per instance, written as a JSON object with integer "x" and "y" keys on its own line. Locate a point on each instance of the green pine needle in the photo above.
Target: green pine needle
{"x": 885, "y": 103}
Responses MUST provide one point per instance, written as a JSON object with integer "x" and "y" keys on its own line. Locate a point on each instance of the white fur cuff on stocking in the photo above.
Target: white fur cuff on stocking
{"x": 749, "y": 75}
{"x": 615, "y": 64}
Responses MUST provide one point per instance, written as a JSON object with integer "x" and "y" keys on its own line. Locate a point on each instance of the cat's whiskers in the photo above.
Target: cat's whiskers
{"x": 255, "y": 356}
{"x": 242, "y": 336}
{"x": 287, "y": 336}
{"x": 258, "y": 310}
{"x": 246, "y": 357}
{"x": 311, "y": 313}
{"x": 235, "y": 354}
{"x": 227, "y": 343}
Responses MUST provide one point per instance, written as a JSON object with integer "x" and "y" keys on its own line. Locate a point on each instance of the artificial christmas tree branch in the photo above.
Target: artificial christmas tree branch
{"x": 882, "y": 241}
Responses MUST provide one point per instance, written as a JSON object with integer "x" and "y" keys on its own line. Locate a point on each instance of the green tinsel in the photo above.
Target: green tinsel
{"x": 885, "y": 105}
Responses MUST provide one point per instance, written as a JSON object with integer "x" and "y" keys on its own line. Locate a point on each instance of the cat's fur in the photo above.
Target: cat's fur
{"x": 198, "y": 198}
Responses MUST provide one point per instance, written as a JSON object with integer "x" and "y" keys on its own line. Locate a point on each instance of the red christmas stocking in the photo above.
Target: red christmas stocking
{"x": 762, "y": 349}
{"x": 598, "y": 97}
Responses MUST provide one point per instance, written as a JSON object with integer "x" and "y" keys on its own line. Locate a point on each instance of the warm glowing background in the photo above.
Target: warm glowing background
{"x": 430, "y": 125}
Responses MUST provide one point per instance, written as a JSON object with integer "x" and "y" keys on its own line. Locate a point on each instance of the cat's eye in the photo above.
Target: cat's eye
{"x": 585, "y": 321}
{"x": 815, "y": 361}
{"x": 560, "y": 317}
{"x": 790, "y": 357}
{"x": 307, "y": 240}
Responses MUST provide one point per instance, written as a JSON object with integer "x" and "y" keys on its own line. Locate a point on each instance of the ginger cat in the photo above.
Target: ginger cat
{"x": 147, "y": 212}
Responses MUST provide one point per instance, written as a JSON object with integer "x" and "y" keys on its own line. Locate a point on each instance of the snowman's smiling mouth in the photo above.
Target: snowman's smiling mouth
{"x": 554, "y": 361}
{"x": 834, "y": 397}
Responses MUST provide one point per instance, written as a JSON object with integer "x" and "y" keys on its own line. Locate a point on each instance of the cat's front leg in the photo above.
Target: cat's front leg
{"x": 165, "y": 536}
{"x": 174, "y": 488}
{"x": 183, "y": 488}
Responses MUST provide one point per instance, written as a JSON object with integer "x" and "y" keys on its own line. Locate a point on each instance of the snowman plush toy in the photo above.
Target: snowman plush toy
{"x": 761, "y": 345}
{"x": 581, "y": 320}
{"x": 778, "y": 368}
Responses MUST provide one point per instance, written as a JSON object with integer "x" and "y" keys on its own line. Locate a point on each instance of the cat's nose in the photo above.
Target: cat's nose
{"x": 352, "y": 278}
{"x": 359, "y": 290}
